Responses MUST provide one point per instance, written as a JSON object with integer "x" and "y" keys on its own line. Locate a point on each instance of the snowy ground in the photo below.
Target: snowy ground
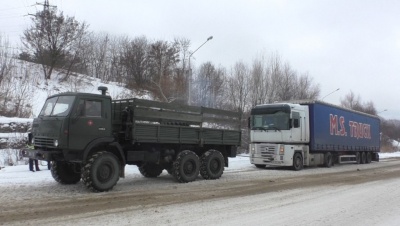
{"x": 20, "y": 175}
{"x": 371, "y": 203}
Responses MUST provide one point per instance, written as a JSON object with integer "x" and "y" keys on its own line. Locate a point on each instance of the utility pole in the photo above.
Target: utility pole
{"x": 46, "y": 7}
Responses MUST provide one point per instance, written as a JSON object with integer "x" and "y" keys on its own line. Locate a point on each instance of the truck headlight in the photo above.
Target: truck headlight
{"x": 56, "y": 143}
{"x": 33, "y": 140}
{"x": 282, "y": 150}
{"x": 252, "y": 148}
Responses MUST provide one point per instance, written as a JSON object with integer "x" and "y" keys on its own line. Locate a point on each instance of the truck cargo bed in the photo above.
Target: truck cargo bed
{"x": 155, "y": 122}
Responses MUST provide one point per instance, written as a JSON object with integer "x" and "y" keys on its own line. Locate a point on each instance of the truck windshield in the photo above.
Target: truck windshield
{"x": 57, "y": 106}
{"x": 271, "y": 121}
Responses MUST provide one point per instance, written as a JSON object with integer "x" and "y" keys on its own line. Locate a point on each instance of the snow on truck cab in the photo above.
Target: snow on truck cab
{"x": 91, "y": 137}
{"x": 309, "y": 133}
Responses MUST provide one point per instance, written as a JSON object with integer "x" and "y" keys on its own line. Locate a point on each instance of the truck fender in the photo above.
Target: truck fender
{"x": 118, "y": 147}
{"x": 94, "y": 143}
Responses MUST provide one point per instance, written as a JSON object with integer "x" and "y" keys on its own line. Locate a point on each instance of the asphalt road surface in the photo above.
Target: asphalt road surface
{"x": 346, "y": 194}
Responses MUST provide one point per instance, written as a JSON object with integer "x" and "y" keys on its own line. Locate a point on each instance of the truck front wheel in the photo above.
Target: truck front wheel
{"x": 260, "y": 166}
{"x": 212, "y": 165}
{"x": 328, "y": 161}
{"x": 297, "y": 162}
{"x": 150, "y": 170}
{"x": 65, "y": 173}
{"x": 101, "y": 171}
{"x": 186, "y": 167}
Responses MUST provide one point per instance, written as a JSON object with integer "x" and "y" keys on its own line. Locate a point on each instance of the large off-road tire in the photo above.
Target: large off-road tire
{"x": 101, "y": 172}
{"x": 328, "y": 160}
{"x": 368, "y": 157}
{"x": 186, "y": 167}
{"x": 363, "y": 158}
{"x": 297, "y": 162}
{"x": 65, "y": 173}
{"x": 212, "y": 165}
{"x": 151, "y": 170}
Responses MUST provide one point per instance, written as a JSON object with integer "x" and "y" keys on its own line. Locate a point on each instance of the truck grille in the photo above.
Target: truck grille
{"x": 43, "y": 141}
{"x": 266, "y": 151}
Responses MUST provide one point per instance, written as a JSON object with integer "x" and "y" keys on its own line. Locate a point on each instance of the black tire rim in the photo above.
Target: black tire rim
{"x": 105, "y": 172}
{"x": 215, "y": 165}
{"x": 189, "y": 167}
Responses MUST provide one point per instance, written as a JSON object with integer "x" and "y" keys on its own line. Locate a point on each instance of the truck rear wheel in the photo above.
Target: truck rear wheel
{"x": 186, "y": 167}
{"x": 65, "y": 173}
{"x": 369, "y": 157}
{"x": 212, "y": 165}
{"x": 150, "y": 170}
{"x": 363, "y": 158}
{"x": 358, "y": 158}
{"x": 297, "y": 162}
{"x": 101, "y": 171}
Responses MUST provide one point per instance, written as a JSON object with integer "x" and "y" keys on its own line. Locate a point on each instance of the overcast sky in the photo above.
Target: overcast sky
{"x": 351, "y": 45}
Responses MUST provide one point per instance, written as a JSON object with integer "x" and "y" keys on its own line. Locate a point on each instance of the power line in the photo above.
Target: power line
{"x": 14, "y": 8}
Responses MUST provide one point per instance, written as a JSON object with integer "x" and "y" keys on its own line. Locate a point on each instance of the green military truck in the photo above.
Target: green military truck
{"x": 92, "y": 137}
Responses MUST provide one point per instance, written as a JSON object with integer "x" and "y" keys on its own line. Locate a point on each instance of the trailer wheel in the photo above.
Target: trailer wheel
{"x": 65, "y": 173}
{"x": 101, "y": 171}
{"x": 212, "y": 165}
{"x": 297, "y": 162}
{"x": 358, "y": 158}
{"x": 328, "y": 160}
{"x": 151, "y": 170}
{"x": 363, "y": 158}
{"x": 369, "y": 157}
{"x": 260, "y": 166}
{"x": 186, "y": 167}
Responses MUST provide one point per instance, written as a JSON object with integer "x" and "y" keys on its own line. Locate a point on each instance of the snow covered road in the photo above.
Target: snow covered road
{"x": 346, "y": 194}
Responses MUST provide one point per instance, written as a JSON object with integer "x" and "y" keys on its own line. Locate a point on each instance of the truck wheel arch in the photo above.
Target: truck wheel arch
{"x": 105, "y": 143}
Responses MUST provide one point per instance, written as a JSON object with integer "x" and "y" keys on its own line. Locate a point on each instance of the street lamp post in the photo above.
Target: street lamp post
{"x": 190, "y": 71}
{"x": 330, "y": 93}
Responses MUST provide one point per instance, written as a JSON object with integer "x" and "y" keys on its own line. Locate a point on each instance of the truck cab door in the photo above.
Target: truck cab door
{"x": 90, "y": 120}
{"x": 296, "y": 127}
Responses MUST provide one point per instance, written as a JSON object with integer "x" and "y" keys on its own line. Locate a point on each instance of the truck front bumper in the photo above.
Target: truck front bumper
{"x": 264, "y": 161}
{"x": 42, "y": 154}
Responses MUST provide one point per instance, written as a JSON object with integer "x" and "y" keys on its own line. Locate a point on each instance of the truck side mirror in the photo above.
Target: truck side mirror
{"x": 248, "y": 122}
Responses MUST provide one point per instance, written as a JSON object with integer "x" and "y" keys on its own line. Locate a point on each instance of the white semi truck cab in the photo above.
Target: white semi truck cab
{"x": 307, "y": 133}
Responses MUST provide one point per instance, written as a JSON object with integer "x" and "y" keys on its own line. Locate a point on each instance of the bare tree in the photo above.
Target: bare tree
{"x": 208, "y": 86}
{"x": 163, "y": 58}
{"x": 353, "y": 102}
{"x": 134, "y": 60}
{"x": 52, "y": 37}
{"x": 260, "y": 82}
{"x": 182, "y": 69}
{"x": 97, "y": 54}
{"x": 6, "y": 61}
{"x": 238, "y": 87}
{"x": 305, "y": 89}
